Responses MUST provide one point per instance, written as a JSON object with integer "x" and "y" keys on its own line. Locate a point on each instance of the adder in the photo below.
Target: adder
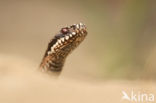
{"x": 60, "y": 46}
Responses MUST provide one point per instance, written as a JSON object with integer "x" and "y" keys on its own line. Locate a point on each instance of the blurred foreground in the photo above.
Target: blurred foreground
{"x": 23, "y": 84}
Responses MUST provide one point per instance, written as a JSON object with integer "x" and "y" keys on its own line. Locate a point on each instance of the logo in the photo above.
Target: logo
{"x": 137, "y": 97}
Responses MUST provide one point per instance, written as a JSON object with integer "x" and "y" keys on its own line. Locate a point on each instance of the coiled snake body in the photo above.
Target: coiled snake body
{"x": 61, "y": 45}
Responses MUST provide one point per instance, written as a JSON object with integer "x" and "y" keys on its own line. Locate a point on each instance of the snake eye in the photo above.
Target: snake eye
{"x": 64, "y": 30}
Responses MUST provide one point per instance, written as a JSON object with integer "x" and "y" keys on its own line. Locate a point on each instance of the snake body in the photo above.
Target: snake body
{"x": 61, "y": 45}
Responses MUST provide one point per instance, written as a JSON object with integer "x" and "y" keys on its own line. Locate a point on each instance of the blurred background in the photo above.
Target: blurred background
{"x": 121, "y": 41}
{"x": 118, "y": 54}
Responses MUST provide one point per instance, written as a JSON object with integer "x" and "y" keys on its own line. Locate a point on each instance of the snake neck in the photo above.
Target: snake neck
{"x": 55, "y": 61}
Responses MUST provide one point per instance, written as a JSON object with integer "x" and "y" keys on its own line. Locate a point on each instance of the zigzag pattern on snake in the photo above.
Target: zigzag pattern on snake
{"x": 61, "y": 45}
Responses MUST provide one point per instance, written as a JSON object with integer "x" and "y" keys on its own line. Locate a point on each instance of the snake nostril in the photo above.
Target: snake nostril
{"x": 73, "y": 27}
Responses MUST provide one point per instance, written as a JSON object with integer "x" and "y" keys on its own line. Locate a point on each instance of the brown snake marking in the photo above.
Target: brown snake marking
{"x": 61, "y": 45}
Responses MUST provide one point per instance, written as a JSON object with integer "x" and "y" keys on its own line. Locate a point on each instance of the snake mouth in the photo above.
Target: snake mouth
{"x": 71, "y": 35}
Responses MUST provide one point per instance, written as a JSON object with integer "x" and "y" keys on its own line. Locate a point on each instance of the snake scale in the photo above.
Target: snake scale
{"x": 60, "y": 46}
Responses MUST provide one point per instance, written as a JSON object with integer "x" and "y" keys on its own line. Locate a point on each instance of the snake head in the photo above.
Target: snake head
{"x": 68, "y": 38}
{"x": 74, "y": 33}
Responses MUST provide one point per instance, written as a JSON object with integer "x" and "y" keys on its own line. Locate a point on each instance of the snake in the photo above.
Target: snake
{"x": 60, "y": 46}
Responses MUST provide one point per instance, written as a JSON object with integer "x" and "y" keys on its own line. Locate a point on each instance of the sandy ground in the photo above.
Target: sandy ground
{"x": 21, "y": 83}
